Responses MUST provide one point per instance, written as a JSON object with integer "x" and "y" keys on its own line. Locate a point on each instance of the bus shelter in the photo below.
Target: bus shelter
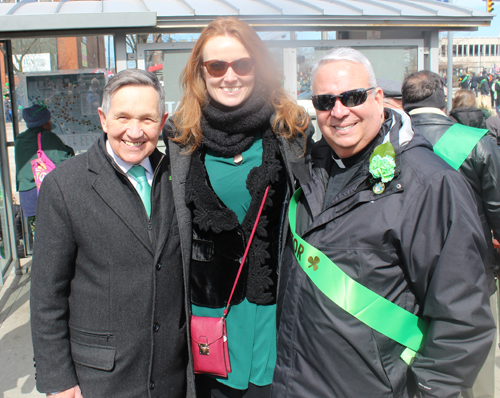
{"x": 57, "y": 51}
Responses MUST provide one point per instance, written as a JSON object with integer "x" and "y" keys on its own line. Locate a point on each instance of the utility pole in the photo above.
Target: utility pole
{"x": 449, "y": 73}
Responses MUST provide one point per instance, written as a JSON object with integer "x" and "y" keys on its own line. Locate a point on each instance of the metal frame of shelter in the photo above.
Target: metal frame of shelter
{"x": 415, "y": 22}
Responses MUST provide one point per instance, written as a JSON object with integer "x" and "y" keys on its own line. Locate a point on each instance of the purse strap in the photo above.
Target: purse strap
{"x": 246, "y": 251}
{"x": 40, "y": 141}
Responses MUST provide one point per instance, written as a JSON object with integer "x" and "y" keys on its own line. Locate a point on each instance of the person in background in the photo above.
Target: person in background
{"x": 392, "y": 93}
{"x": 496, "y": 88}
{"x": 7, "y": 108}
{"x": 477, "y": 158}
{"x": 108, "y": 281}
{"x": 474, "y": 82}
{"x": 382, "y": 224}
{"x": 465, "y": 111}
{"x": 94, "y": 95}
{"x": 484, "y": 85}
{"x": 236, "y": 132}
{"x": 493, "y": 93}
{"x": 37, "y": 118}
{"x": 464, "y": 81}
{"x": 491, "y": 117}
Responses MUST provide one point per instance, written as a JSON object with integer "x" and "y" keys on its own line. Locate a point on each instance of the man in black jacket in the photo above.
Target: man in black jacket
{"x": 484, "y": 85}
{"x": 474, "y": 82}
{"x": 423, "y": 99}
{"x": 464, "y": 81}
{"x": 108, "y": 288}
{"x": 382, "y": 291}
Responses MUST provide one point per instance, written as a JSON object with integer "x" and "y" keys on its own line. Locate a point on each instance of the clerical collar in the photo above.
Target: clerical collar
{"x": 351, "y": 161}
{"x": 338, "y": 160}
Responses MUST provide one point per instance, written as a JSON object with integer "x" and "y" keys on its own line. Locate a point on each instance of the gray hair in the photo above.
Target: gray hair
{"x": 129, "y": 77}
{"x": 346, "y": 54}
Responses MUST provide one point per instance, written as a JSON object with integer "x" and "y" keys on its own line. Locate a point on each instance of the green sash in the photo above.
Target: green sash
{"x": 457, "y": 142}
{"x": 367, "y": 306}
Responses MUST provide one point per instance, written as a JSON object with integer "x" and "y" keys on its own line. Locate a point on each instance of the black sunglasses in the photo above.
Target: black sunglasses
{"x": 326, "y": 102}
{"x": 242, "y": 67}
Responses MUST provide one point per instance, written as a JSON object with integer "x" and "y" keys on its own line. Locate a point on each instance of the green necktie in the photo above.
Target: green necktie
{"x": 142, "y": 187}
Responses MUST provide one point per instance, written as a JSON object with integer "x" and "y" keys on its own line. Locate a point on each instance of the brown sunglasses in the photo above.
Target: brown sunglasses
{"x": 242, "y": 67}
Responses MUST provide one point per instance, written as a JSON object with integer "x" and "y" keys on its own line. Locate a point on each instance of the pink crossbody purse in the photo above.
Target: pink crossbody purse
{"x": 41, "y": 165}
{"x": 209, "y": 336}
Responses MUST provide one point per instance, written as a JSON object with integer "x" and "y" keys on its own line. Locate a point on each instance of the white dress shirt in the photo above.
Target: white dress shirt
{"x": 125, "y": 166}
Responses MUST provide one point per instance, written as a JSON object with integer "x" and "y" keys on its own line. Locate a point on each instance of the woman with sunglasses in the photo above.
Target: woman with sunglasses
{"x": 242, "y": 134}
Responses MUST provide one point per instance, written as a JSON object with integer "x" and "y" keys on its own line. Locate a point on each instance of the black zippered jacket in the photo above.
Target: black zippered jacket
{"x": 417, "y": 244}
{"x": 481, "y": 169}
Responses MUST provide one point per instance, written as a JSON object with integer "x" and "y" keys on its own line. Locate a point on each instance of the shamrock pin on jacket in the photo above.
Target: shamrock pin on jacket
{"x": 382, "y": 166}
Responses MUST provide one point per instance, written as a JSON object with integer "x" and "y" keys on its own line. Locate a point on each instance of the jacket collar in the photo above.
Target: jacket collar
{"x": 296, "y": 155}
{"x": 426, "y": 109}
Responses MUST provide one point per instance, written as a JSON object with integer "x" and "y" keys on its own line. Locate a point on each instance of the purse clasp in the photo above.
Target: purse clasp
{"x": 204, "y": 349}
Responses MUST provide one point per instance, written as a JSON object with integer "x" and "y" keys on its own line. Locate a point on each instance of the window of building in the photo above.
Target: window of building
{"x": 481, "y": 49}
{"x": 476, "y": 50}
{"x": 443, "y": 50}
{"x": 454, "y": 50}
{"x": 460, "y": 50}
{"x": 487, "y": 49}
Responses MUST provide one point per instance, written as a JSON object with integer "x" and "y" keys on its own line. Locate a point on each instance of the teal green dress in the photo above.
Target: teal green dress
{"x": 251, "y": 328}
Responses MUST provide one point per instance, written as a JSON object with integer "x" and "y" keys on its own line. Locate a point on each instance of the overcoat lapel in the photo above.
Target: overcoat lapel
{"x": 162, "y": 206}
{"x": 120, "y": 196}
{"x": 180, "y": 164}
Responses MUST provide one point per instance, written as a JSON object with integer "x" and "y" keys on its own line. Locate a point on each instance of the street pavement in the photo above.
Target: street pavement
{"x": 17, "y": 374}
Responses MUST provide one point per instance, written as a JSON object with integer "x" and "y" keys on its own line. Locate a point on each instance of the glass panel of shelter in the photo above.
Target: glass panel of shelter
{"x": 389, "y": 62}
{"x": 62, "y": 72}
{"x": 168, "y": 66}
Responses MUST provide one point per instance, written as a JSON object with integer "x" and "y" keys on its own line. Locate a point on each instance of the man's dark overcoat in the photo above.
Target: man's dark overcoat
{"x": 108, "y": 284}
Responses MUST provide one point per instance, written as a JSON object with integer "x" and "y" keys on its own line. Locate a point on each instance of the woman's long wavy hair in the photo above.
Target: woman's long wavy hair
{"x": 291, "y": 119}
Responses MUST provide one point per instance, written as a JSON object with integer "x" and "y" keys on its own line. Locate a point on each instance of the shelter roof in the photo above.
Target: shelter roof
{"x": 67, "y": 17}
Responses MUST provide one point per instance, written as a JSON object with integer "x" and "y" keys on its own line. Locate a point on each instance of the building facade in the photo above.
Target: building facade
{"x": 470, "y": 54}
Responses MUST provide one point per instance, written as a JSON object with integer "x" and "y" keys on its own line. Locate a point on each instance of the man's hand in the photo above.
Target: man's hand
{"x": 496, "y": 245}
{"x": 73, "y": 392}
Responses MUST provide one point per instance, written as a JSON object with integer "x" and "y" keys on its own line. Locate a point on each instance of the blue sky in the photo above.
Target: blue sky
{"x": 493, "y": 30}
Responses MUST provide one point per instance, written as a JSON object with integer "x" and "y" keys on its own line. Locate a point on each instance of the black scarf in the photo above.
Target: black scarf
{"x": 210, "y": 215}
{"x": 230, "y": 131}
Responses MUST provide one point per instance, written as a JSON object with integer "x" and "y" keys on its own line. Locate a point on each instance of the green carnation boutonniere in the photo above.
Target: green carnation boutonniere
{"x": 382, "y": 165}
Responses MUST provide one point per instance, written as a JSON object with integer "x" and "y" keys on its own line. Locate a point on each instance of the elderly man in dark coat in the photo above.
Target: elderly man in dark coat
{"x": 108, "y": 286}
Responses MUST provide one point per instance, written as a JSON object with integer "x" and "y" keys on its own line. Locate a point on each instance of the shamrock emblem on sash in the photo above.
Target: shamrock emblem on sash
{"x": 313, "y": 262}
